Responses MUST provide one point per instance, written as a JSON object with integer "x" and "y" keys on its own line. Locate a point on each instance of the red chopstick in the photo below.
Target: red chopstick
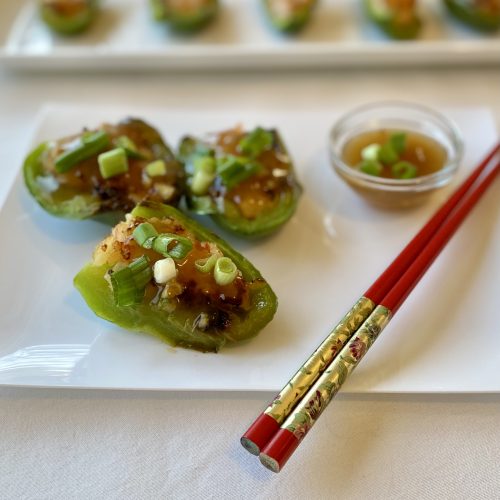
{"x": 398, "y": 294}
{"x": 307, "y": 412}
{"x": 269, "y": 421}
{"x": 388, "y": 278}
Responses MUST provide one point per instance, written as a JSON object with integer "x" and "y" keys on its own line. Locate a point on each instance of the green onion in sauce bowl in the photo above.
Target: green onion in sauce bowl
{"x": 395, "y": 154}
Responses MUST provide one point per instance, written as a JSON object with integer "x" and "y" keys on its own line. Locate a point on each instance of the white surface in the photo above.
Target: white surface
{"x": 319, "y": 264}
{"x": 64, "y": 444}
{"x": 125, "y": 36}
{"x": 91, "y": 446}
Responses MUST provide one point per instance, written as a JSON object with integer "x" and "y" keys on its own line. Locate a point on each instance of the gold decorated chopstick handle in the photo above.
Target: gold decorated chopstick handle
{"x": 298, "y": 385}
{"x": 268, "y": 423}
{"x": 308, "y": 410}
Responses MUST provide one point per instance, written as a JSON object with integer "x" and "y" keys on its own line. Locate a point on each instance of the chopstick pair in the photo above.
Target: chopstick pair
{"x": 284, "y": 423}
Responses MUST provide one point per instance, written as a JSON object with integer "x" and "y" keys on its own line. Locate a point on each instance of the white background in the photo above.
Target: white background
{"x": 84, "y": 444}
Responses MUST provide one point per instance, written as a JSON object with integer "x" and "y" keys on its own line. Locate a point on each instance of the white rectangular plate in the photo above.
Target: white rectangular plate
{"x": 445, "y": 337}
{"x": 125, "y": 37}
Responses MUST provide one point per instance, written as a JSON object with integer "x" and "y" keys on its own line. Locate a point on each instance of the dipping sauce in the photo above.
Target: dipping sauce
{"x": 424, "y": 153}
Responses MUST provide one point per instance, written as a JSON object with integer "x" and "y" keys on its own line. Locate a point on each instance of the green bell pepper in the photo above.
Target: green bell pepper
{"x": 397, "y": 18}
{"x": 68, "y": 18}
{"x": 184, "y": 16}
{"x": 244, "y": 181}
{"x": 289, "y": 16}
{"x": 193, "y": 307}
{"x": 69, "y": 177}
{"x": 483, "y": 15}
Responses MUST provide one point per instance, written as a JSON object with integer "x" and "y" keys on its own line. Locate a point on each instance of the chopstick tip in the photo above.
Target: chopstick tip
{"x": 250, "y": 446}
{"x": 269, "y": 463}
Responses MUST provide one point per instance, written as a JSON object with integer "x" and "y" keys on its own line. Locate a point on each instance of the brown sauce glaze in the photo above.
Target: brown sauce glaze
{"x": 191, "y": 289}
{"x": 121, "y": 192}
{"x": 262, "y": 192}
{"x": 425, "y": 153}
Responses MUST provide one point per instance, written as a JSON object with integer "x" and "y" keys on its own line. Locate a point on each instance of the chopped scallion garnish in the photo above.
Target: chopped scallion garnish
{"x": 203, "y": 205}
{"x": 90, "y": 144}
{"x": 141, "y": 270}
{"x": 235, "y": 169}
{"x": 128, "y": 145}
{"x": 207, "y": 264}
{"x": 112, "y": 163}
{"x": 205, "y": 164}
{"x": 172, "y": 245}
{"x": 370, "y": 167}
{"x": 256, "y": 142}
{"x": 370, "y": 152}
{"x": 387, "y": 154}
{"x": 225, "y": 271}
{"x": 200, "y": 182}
{"x": 404, "y": 170}
{"x": 156, "y": 168}
{"x": 145, "y": 234}
{"x": 398, "y": 141}
{"x": 130, "y": 282}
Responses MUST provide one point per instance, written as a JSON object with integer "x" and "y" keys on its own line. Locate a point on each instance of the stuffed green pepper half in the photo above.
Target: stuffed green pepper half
{"x": 244, "y": 180}
{"x": 289, "y": 15}
{"x": 68, "y": 17}
{"x": 161, "y": 273}
{"x": 185, "y": 15}
{"x": 108, "y": 169}
{"x": 483, "y": 15}
{"x": 397, "y": 18}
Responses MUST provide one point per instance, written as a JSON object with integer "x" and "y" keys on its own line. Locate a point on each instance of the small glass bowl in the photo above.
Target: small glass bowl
{"x": 396, "y": 116}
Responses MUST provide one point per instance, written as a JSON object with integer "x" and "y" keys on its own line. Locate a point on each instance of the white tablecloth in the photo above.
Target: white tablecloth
{"x": 61, "y": 444}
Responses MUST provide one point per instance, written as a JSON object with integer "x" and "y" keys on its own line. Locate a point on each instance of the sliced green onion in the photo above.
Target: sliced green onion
{"x": 142, "y": 271}
{"x": 370, "y": 167}
{"x": 129, "y": 146}
{"x": 370, "y": 152}
{"x": 112, "y": 163}
{"x": 404, "y": 170}
{"x": 387, "y": 154}
{"x": 203, "y": 205}
{"x": 256, "y": 142}
{"x": 230, "y": 165}
{"x": 235, "y": 169}
{"x": 172, "y": 245}
{"x": 207, "y": 264}
{"x": 144, "y": 234}
{"x": 125, "y": 290}
{"x": 225, "y": 271}
{"x": 200, "y": 182}
{"x": 398, "y": 141}
{"x": 130, "y": 282}
{"x": 156, "y": 168}
{"x": 205, "y": 164}
{"x": 204, "y": 174}
{"x": 90, "y": 144}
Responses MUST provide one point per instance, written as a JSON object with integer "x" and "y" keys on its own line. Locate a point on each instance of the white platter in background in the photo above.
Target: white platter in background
{"x": 125, "y": 37}
{"x": 446, "y": 337}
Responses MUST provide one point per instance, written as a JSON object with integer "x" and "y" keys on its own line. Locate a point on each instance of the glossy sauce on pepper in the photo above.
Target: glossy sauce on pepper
{"x": 263, "y": 191}
{"x": 124, "y": 191}
{"x": 191, "y": 291}
{"x": 425, "y": 153}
